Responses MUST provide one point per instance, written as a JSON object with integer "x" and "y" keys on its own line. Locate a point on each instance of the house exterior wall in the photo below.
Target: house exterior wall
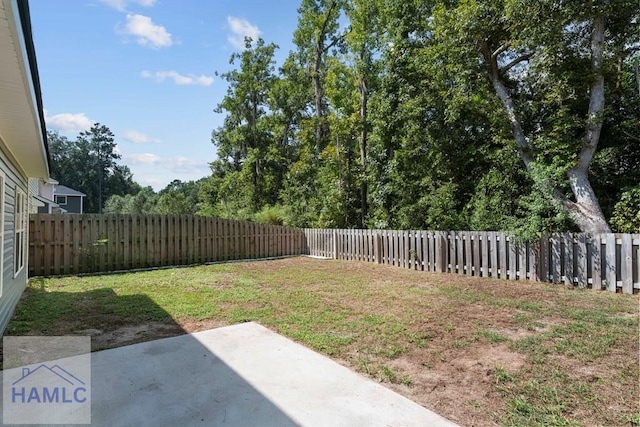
{"x": 45, "y": 189}
{"x": 12, "y": 284}
{"x": 74, "y": 204}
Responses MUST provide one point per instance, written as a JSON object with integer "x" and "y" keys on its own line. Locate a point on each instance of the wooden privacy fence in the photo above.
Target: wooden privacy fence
{"x": 609, "y": 261}
{"x": 72, "y": 244}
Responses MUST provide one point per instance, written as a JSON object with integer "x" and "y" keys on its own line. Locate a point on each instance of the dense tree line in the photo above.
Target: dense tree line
{"x": 437, "y": 114}
{"x": 177, "y": 198}
{"x": 484, "y": 115}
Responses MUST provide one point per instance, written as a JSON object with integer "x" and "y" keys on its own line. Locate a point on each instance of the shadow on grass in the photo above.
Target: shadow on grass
{"x": 111, "y": 319}
{"x": 132, "y": 385}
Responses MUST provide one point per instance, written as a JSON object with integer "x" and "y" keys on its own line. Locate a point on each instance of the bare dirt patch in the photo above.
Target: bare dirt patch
{"x": 459, "y": 388}
{"x": 131, "y": 334}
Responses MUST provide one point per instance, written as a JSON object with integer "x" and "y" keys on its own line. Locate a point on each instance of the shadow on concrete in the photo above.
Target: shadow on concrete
{"x": 171, "y": 382}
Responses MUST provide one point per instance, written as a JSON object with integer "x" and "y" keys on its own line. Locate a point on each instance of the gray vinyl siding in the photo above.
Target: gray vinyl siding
{"x": 74, "y": 204}
{"x": 12, "y": 287}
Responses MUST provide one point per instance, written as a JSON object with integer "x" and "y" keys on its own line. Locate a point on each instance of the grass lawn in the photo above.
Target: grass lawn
{"x": 480, "y": 352}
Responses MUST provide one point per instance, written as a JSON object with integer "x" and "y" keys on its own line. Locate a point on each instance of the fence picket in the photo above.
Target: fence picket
{"x": 493, "y": 258}
{"x": 502, "y": 255}
{"x": 556, "y": 258}
{"x": 453, "y": 252}
{"x": 635, "y": 238}
{"x": 581, "y": 261}
{"x": 544, "y": 259}
{"x": 484, "y": 237}
{"x": 404, "y": 242}
{"x": 596, "y": 262}
{"x": 522, "y": 261}
{"x": 512, "y": 254}
{"x": 459, "y": 253}
{"x": 468, "y": 254}
{"x": 626, "y": 264}
{"x": 568, "y": 259}
{"x": 610, "y": 261}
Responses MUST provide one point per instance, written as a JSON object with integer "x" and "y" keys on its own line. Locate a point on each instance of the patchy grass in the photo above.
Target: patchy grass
{"x": 478, "y": 351}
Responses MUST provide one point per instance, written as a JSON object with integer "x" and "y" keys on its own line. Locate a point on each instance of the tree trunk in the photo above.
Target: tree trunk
{"x": 364, "y": 98}
{"x": 585, "y": 210}
{"x": 322, "y": 129}
{"x": 319, "y": 95}
{"x": 637, "y": 73}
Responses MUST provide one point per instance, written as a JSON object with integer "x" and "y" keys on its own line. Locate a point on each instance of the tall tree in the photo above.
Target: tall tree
{"x": 475, "y": 113}
{"x": 99, "y": 148}
{"x": 245, "y": 139}
{"x": 316, "y": 34}
{"x": 88, "y": 164}
{"x": 547, "y": 64}
{"x": 364, "y": 42}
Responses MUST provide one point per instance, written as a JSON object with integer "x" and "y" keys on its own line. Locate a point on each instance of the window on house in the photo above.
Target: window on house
{"x": 20, "y": 225}
{"x": 61, "y": 200}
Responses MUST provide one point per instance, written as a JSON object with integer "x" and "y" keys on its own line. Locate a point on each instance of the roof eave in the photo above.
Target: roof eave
{"x": 26, "y": 139}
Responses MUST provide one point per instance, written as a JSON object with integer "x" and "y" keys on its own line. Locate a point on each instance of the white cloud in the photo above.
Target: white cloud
{"x": 121, "y": 5}
{"x": 138, "y": 137}
{"x": 241, "y": 28}
{"x": 179, "y": 79}
{"x": 159, "y": 170}
{"x": 184, "y": 165}
{"x": 68, "y": 122}
{"x": 174, "y": 164}
{"x": 156, "y": 183}
{"x": 143, "y": 158}
{"x": 146, "y": 32}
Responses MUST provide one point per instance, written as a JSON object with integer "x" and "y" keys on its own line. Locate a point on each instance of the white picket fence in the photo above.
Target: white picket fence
{"x": 604, "y": 261}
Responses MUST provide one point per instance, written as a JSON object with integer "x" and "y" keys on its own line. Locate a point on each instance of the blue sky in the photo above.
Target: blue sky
{"x": 146, "y": 69}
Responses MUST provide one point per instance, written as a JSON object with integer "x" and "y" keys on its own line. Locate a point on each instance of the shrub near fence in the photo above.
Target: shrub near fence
{"x": 610, "y": 261}
{"x": 71, "y": 244}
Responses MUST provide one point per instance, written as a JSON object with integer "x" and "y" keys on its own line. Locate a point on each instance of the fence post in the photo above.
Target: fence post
{"x": 335, "y": 244}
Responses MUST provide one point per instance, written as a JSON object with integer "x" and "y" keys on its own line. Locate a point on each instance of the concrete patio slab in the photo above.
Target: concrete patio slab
{"x": 241, "y": 375}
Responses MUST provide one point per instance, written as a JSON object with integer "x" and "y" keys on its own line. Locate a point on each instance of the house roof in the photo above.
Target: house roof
{"x": 22, "y": 127}
{"x": 61, "y": 190}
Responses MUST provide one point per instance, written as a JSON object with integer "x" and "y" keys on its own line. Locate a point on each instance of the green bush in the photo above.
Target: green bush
{"x": 276, "y": 215}
{"x": 626, "y": 213}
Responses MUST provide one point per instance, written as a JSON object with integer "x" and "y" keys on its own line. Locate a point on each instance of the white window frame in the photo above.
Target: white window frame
{"x": 20, "y": 231}
{"x": 61, "y": 198}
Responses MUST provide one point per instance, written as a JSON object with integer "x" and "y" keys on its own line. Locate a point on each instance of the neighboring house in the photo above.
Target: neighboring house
{"x": 68, "y": 199}
{"x": 23, "y": 148}
{"x": 47, "y": 196}
{"x": 41, "y": 196}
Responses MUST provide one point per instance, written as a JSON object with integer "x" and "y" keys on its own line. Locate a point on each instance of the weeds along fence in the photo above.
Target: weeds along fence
{"x": 605, "y": 261}
{"x": 65, "y": 244}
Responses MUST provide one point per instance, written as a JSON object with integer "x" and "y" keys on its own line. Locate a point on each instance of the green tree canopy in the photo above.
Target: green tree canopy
{"x": 89, "y": 165}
